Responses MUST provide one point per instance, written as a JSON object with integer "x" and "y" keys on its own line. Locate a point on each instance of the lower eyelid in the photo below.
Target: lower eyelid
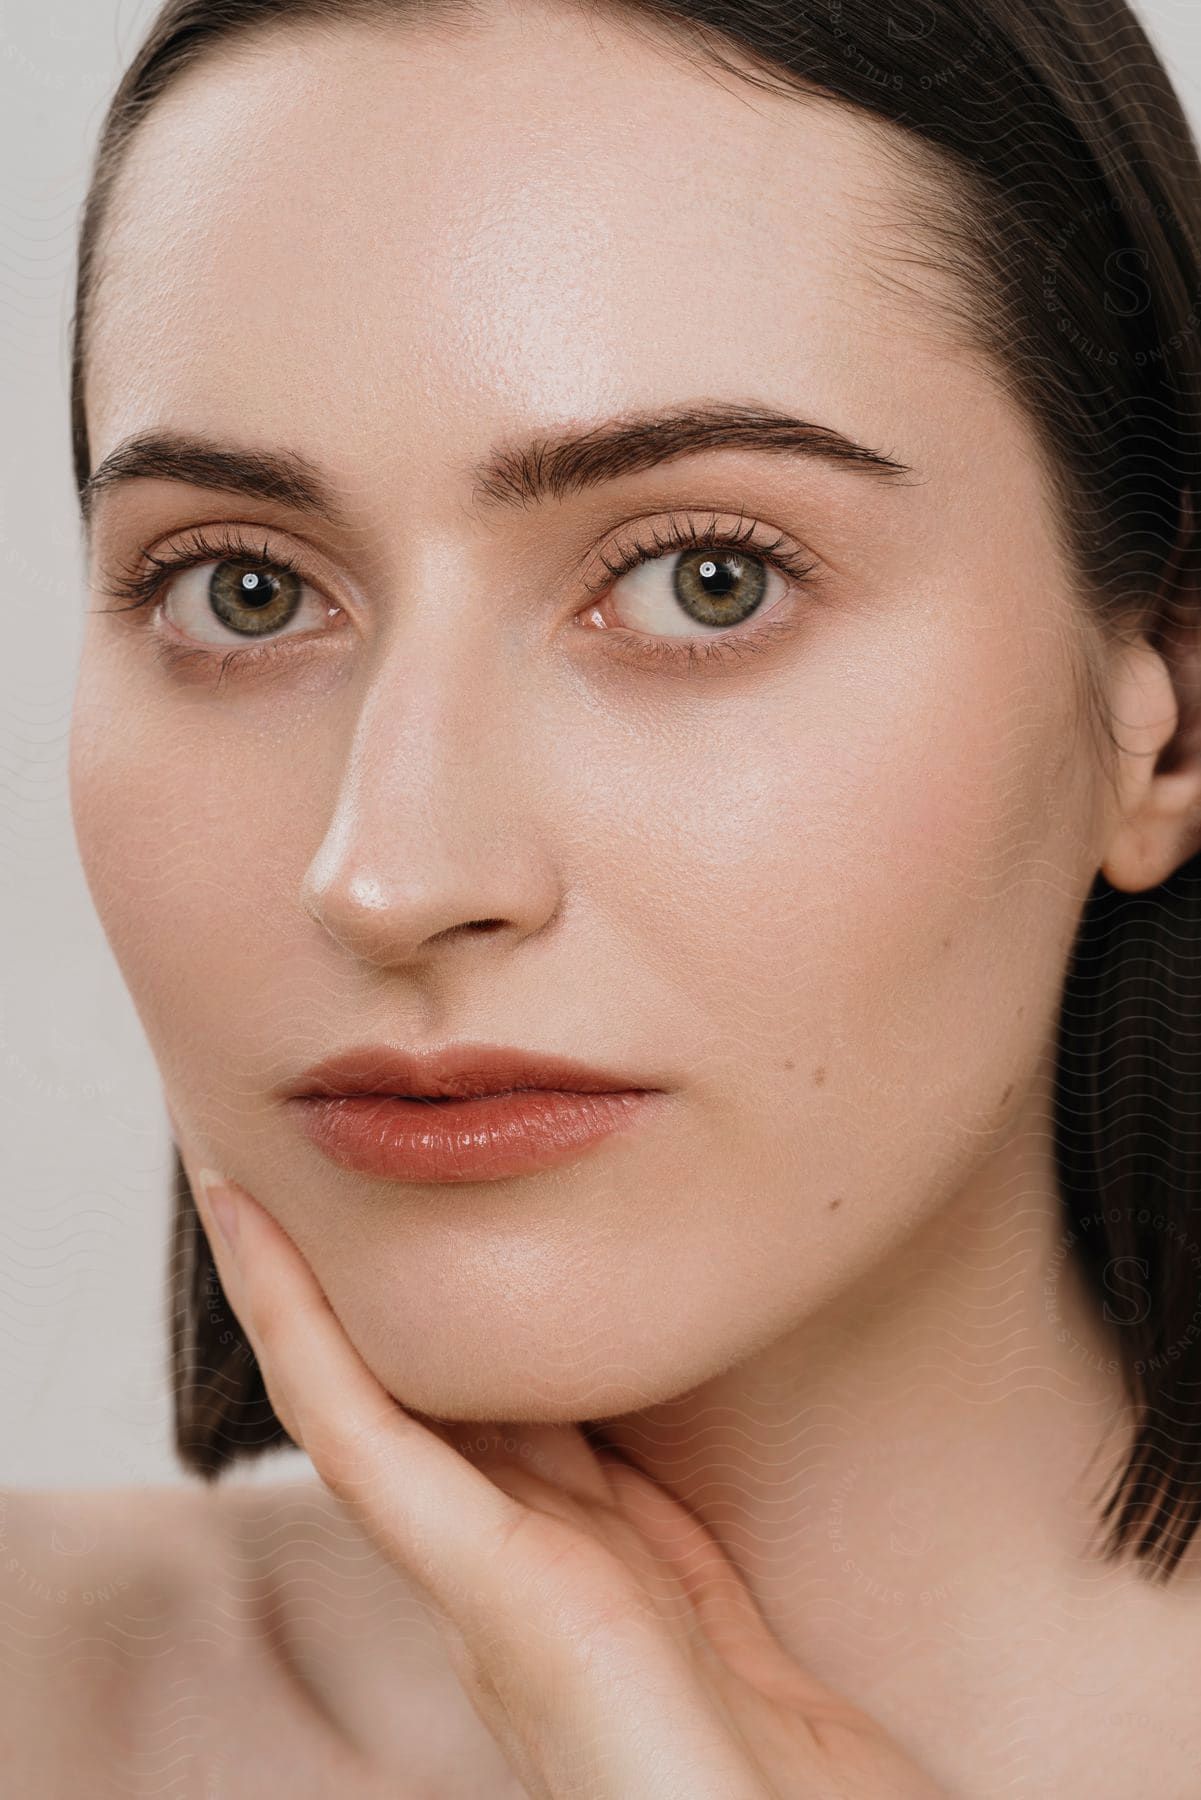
{"x": 178, "y": 647}
{"x": 725, "y": 649}
{"x": 190, "y": 657}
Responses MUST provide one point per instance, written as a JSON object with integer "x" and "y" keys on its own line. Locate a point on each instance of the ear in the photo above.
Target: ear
{"x": 1154, "y": 822}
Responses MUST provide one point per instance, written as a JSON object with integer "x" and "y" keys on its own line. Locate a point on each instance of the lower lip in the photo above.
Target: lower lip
{"x": 481, "y": 1139}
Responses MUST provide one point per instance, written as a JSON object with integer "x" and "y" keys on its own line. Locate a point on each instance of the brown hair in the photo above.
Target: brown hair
{"x": 1072, "y": 218}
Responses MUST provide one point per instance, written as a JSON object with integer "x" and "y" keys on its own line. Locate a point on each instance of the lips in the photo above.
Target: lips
{"x": 477, "y": 1113}
{"x": 463, "y": 1072}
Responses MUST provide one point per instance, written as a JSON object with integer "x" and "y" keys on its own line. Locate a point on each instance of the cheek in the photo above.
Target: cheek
{"x": 870, "y": 880}
{"x": 116, "y": 808}
{"x": 974, "y": 865}
{"x": 179, "y": 857}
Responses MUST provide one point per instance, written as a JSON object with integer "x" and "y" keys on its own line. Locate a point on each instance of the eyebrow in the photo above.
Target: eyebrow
{"x": 283, "y": 476}
{"x": 551, "y": 467}
{"x": 520, "y": 475}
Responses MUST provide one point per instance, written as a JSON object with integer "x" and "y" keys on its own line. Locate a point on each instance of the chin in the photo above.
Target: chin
{"x": 488, "y": 1370}
{"x": 519, "y": 1397}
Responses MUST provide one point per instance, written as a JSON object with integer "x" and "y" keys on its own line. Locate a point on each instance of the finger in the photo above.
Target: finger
{"x": 558, "y": 1455}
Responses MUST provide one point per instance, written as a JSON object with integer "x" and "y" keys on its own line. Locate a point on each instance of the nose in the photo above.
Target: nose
{"x": 439, "y": 834}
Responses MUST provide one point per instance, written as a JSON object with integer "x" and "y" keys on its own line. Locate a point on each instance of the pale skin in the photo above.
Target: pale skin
{"x": 824, "y": 895}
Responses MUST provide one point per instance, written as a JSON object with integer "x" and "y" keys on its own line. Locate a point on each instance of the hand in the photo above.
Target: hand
{"x": 603, "y": 1637}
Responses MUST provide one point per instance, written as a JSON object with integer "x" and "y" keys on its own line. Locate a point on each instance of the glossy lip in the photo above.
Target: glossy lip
{"x": 474, "y": 1112}
{"x": 462, "y": 1070}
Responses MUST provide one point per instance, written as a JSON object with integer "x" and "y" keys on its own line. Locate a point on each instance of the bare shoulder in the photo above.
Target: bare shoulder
{"x": 362, "y": 1642}
{"x": 81, "y": 1549}
{"x": 93, "y": 1587}
{"x": 200, "y": 1641}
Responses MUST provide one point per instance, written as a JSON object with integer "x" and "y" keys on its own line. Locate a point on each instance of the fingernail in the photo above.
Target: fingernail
{"x": 222, "y": 1205}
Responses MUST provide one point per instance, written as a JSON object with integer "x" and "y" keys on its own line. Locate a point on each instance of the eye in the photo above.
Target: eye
{"x": 235, "y": 599}
{"x": 671, "y": 595}
{"x": 693, "y": 586}
{"x": 221, "y": 587}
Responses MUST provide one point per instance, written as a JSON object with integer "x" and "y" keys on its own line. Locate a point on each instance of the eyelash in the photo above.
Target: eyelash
{"x": 733, "y": 646}
{"x": 141, "y": 586}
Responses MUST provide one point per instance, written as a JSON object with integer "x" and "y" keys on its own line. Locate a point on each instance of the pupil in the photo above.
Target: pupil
{"x": 254, "y": 589}
{"x": 717, "y": 578}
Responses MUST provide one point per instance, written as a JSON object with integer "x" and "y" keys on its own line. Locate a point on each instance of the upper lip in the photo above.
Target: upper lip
{"x": 461, "y": 1070}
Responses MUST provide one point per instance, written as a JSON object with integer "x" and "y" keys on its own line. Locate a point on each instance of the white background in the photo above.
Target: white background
{"x": 84, "y": 1145}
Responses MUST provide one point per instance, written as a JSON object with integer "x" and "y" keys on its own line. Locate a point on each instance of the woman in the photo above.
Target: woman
{"x": 647, "y": 554}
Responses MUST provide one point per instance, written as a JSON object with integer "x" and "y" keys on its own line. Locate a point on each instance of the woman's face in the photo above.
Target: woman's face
{"x": 822, "y": 894}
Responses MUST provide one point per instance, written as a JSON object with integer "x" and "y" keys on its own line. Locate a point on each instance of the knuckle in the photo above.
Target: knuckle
{"x": 280, "y": 1404}
{"x": 464, "y": 1661}
{"x": 345, "y": 1451}
{"x": 513, "y": 1531}
{"x": 268, "y": 1320}
{"x": 334, "y": 1447}
{"x": 582, "y": 1593}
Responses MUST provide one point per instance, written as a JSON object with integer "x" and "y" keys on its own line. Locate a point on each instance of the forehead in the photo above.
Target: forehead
{"x": 374, "y": 241}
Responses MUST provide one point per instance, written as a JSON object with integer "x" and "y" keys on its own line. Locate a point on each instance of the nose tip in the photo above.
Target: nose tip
{"x": 392, "y": 920}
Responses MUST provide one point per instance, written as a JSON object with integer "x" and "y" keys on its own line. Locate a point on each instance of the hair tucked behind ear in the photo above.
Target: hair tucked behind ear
{"x": 221, "y": 1407}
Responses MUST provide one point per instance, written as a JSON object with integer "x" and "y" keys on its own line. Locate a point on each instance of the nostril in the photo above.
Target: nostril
{"x": 472, "y": 925}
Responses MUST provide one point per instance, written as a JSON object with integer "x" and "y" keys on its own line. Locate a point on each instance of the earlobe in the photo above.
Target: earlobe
{"x": 1155, "y": 816}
